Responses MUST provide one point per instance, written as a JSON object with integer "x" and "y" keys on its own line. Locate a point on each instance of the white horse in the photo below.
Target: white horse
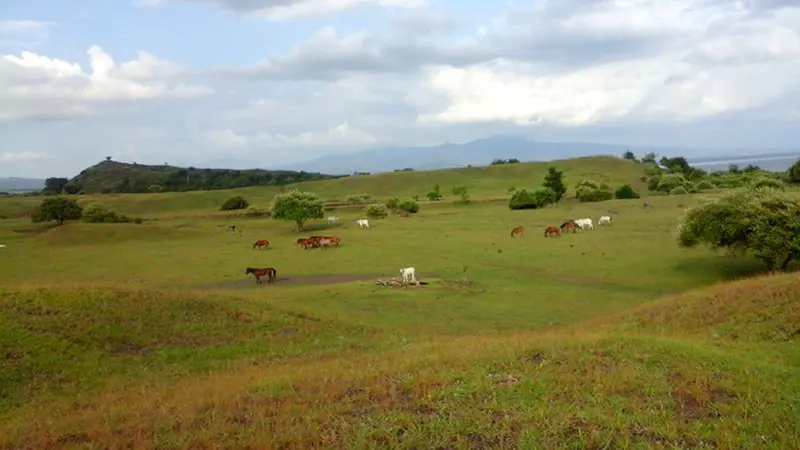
{"x": 585, "y": 223}
{"x": 332, "y": 219}
{"x": 409, "y": 273}
{"x": 363, "y": 223}
{"x": 604, "y": 220}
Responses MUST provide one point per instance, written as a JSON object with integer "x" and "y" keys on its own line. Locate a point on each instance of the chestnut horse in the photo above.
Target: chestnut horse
{"x": 261, "y": 243}
{"x": 271, "y": 273}
{"x": 550, "y": 231}
{"x": 518, "y": 231}
{"x": 570, "y": 225}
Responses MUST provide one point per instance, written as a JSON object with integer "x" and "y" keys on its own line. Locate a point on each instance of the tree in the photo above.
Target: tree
{"x": 649, "y": 158}
{"x": 525, "y": 199}
{"x": 763, "y": 222}
{"x": 793, "y": 174}
{"x": 297, "y": 206}
{"x": 54, "y": 185}
{"x": 629, "y": 155}
{"x": 463, "y": 192}
{"x": 59, "y": 209}
{"x": 409, "y": 206}
{"x": 555, "y": 180}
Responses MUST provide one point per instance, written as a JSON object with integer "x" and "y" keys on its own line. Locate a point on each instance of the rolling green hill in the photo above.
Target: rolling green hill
{"x": 483, "y": 182}
{"x": 111, "y": 176}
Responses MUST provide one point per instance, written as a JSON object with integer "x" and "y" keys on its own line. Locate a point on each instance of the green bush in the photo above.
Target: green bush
{"x": 59, "y": 209}
{"x": 357, "y": 199}
{"x": 234, "y": 203}
{"x": 768, "y": 182}
{"x": 525, "y": 199}
{"x": 652, "y": 183}
{"x": 704, "y": 185}
{"x": 409, "y": 206}
{"x": 670, "y": 181}
{"x": 586, "y": 183}
{"x": 626, "y": 192}
{"x": 97, "y": 213}
{"x": 680, "y": 190}
{"x": 377, "y": 211}
{"x": 392, "y": 203}
{"x": 587, "y": 194}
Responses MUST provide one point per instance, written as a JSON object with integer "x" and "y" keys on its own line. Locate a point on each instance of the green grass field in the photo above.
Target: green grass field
{"x": 151, "y": 336}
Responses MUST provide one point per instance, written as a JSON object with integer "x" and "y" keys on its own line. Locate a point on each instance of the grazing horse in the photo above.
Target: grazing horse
{"x": 363, "y": 223}
{"x": 261, "y": 243}
{"x": 271, "y": 274}
{"x": 409, "y": 273}
{"x": 551, "y": 231}
{"x": 585, "y": 223}
{"x": 332, "y": 219}
{"x": 231, "y": 227}
{"x": 324, "y": 242}
{"x": 604, "y": 220}
{"x": 518, "y": 231}
{"x": 569, "y": 225}
{"x": 306, "y": 243}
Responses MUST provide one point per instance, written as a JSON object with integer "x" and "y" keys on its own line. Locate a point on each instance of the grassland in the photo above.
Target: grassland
{"x": 150, "y": 336}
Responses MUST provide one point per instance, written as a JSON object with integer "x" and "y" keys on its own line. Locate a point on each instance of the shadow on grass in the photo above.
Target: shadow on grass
{"x": 726, "y": 268}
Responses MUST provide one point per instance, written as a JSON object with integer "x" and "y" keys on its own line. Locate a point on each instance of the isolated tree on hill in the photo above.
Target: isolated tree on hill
{"x": 297, "y": 206}
{"x": 793, "y": 174}
{"x": 629, "y": 155}
{"x": 555, "y": 180}
{"x": 54, "y": 185}
{"x": 763, "y": 222}
{"x": 649, "y": 158}
{"x": 59, "y": 209}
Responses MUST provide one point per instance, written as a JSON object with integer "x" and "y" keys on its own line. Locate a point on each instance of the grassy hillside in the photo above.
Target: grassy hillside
{"x": 484, "y": 182}
{"x": 151, "y": 335}
{"x": 111, "y": 176}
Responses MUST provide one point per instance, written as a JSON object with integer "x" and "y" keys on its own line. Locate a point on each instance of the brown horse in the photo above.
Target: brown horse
{"x": 569, "y": 225}
{"x": 518, "y": 231}
{"x": 271, "y": 274}
{"x": 551, "y": 231}
{"x": 261, "y": 243}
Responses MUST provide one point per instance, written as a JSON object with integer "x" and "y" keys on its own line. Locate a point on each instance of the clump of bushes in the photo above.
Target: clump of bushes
{"x": 97, "y": 213}
{"x": 678, "y": 190}
{"x": 768, "y": 182}
{"x": 435, "y": 194}
{"x": 234, "y": 203}
{"x": 377, "y": 211}
{"x": 393, "y": 203}
{"x": 409, "y": 206}
{"x": 704, "y": 185}
{"x": 463, "y": 193}
{"x": 587, "y": 194}
{"x": 525, "y": 199}
{"x": 626, "y": 192}
{"x": 358, "y": 199}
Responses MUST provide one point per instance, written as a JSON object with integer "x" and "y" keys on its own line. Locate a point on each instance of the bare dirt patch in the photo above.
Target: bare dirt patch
{"x": 306, "y": 280}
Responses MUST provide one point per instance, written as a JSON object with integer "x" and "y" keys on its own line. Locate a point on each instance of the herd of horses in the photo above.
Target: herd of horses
{"x": 572, "y": 224}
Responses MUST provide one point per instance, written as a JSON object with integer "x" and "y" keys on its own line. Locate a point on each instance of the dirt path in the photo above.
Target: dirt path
{"x": 307, "y": 280}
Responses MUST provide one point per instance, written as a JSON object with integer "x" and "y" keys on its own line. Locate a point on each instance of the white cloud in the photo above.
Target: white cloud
{"x": 34, "y": 86}
{"x": 21, "y": 156}
{"x": 728, "y": 60}
{"x": 340, "y": 136}
{"x": 281, "y": 10}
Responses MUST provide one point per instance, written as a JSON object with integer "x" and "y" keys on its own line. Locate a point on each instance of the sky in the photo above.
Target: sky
{"x": 265, "y": 83}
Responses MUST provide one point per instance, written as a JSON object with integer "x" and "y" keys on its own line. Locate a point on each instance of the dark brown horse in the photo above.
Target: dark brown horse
{"x": 261, "y": 243}
{"x": 271, "y": 274}
{"x": 569, "y": 225}
{"x": 518, "y": 231}
{"x": 552, "y": 231}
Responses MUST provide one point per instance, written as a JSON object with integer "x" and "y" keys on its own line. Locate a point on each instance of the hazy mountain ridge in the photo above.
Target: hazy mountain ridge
{"x": 20, "y": 184}
{"x": 481, "y": 152}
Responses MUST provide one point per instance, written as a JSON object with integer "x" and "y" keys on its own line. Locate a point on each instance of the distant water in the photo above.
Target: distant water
{"x": 774, "y": 164}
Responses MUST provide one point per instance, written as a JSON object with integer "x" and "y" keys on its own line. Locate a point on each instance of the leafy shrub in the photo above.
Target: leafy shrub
{"x": 793, "y": 174}
{"x": 525, "y": 199}
{"x": 680, "y": 190}
{"x": 409, "y": 206}
{"x": 234, "y": 203}
{"x": 357, "y": 199}
{"x": 463, "y": 192}
{"x": 253, "y": 211}
{"x": 767, "y": 182}
{"x": 586, "y": 183}
{"x": 626, "y": 192}
{"x": 586, "y": 194}
{"x": 297, "y": 206}
{"x": 670, "y": 181}
{"x": 97, "y": 213}
{"x": 392, "y": 203}
{"x": 652, "y": 183}
{"x": 435, "y": 194}
{"x": 377, "y": 211}
{"x": 704, "y": 185}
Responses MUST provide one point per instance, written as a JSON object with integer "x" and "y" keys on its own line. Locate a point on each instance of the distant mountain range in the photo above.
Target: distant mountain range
{"x": 481, "y": 152}
{"x": 20, "y": 184}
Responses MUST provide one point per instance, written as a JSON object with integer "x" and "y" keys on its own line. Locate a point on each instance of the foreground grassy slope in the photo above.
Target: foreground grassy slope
{"x": 609, "y": 382}
{"x": 484, "y": 182}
